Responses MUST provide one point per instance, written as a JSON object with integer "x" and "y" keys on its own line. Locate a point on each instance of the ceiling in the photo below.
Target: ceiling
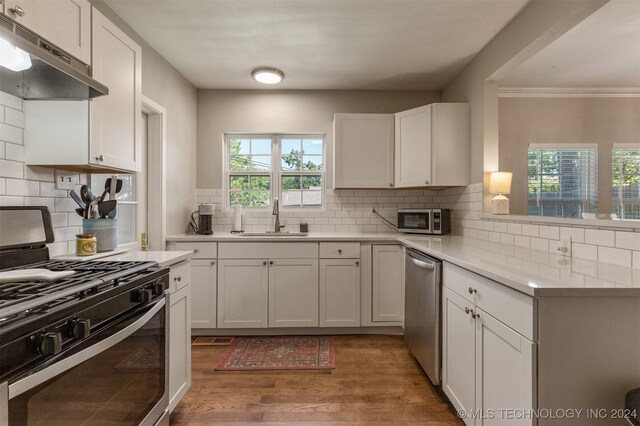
{"x": 601, "y": 51}
{"x": 319, "y": 44}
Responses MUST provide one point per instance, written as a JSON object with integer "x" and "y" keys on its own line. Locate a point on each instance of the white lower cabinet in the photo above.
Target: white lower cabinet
{"x": 487, "y": 366}
{"x": 179, "y": 345}
{"x": 388, "y": 284}
{"x": 243, "y": 289}
{"x": 204, "y": 297}
{"x": 293, "y": 293}
{"x": 339, "y": 293}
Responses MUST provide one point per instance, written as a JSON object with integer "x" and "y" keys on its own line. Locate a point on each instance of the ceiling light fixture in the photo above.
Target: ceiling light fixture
{"x": 267, "y": 75}
{"x": 13, "y": 58}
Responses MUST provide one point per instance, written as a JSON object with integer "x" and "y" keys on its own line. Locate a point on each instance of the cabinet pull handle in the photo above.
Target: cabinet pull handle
{"x": 271, "y": 262}
{"x": 264, "y": 263}
{"x": 472, "y": 290}
{"x": 357, "y": 263}
{"x": 17, "y": 10}
{"x": 178, "y": 278}
{"x": 339, "y": 251}
{"x": 213, "y": 262}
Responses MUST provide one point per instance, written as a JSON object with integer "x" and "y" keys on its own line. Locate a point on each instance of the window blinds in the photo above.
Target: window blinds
{"x": 563, "y": 179}
{"x": 626, "y": 181}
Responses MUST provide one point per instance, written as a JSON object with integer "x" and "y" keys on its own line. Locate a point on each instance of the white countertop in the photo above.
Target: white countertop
{"x": 532, "y": 272}
{"x": 163, "y": 258}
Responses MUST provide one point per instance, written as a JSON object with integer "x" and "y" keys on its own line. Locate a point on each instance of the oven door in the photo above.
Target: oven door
{"x": 116, "y": 376}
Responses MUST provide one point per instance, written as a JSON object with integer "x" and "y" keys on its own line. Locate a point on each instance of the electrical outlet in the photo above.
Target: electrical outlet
{"x": 65, "y": 181}
{"x": 564, "y": 248}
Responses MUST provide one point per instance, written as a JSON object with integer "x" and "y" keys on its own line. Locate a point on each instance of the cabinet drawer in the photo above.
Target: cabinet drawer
{"x": 201, "y": 250}
{"x": 339, "y": 250}
{"x": 509, "y": 306}
{"x": 252, "y": 250}
{"x": 179, "y": 275}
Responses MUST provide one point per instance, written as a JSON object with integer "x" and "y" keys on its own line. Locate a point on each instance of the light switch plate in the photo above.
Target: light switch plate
{"x": 65, "y": 181}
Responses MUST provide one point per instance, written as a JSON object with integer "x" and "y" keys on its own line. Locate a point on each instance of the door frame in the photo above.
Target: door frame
{"x": 156, "y": 167}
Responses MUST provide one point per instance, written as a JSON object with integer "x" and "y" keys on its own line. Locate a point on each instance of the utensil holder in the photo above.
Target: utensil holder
{"x": 105, "y": 230}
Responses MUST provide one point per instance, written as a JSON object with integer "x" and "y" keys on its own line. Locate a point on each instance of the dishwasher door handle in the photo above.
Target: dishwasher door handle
{"x": 423, "y": 265}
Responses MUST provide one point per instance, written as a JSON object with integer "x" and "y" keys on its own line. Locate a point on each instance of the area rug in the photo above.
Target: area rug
{"x": 279, "y": 353}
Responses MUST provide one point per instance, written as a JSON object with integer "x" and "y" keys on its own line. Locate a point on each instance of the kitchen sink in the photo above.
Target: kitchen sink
{"x": 274, "y": 234}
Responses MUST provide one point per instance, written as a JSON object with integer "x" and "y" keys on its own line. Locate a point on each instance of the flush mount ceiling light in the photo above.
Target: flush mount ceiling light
{"x": 267, "y": 75}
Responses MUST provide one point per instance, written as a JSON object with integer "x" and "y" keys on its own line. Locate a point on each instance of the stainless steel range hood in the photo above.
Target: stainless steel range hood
{"x": 54, "y": 73}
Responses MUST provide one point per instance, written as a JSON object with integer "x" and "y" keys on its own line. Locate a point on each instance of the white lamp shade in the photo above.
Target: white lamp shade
{"x": 500, "y": 183}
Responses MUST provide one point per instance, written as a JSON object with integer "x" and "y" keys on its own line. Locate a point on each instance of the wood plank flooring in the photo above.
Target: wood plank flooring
{"x": 376, "y": 381}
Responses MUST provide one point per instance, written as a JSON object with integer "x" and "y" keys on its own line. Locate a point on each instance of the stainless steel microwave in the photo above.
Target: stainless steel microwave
{"x": 424, "y": 221}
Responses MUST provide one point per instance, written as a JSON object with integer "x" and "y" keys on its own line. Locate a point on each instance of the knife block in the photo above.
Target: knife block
{"x": 105, "y": 230}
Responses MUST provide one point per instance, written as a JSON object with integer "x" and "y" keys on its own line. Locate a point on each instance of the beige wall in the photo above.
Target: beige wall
{"x": 286, "y": 111}
{"x": 603, "y": 121}
{"x": 162, "y": 83}
{"x": 540, "y": 22}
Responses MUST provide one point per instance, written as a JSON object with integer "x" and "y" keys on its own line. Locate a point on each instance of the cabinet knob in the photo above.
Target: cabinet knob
{"x": 100, "y": 158}
{"x": 357, "y": 263}
{"x": 271, "y": 262}
{"x": 213, "y": 262}
{"x": 196, "y": 251}
{"x": 339, "y": 251}
{"x": 264, "y": 263}
{"x": 474, "y": 315}
{"x": 427, "y": 182}
{"x": 178, "y": 278}
{"x": 391, "y": 185}
{"x": 17, "y": 10}
{"x": 472, "y": 290}
{"x": 467, "y": 310}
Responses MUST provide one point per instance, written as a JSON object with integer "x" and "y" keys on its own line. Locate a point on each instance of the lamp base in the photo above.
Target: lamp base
{"x": 500, "y": 205}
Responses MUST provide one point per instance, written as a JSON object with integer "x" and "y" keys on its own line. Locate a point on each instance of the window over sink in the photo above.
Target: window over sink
{"x": 261, "y": 167}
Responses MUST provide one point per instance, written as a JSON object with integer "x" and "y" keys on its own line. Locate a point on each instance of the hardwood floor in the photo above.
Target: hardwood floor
{"x": 376, "y": 381}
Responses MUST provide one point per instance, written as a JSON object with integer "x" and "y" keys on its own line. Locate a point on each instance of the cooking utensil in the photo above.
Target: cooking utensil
{"x": 80, "y": 211}
{"x": 114, "y": 188}
{"x": 113, "y": 212}
{"x": 105, "y": 207}
{"x": 87, "y": 196}
{"x": 76, "y": 198}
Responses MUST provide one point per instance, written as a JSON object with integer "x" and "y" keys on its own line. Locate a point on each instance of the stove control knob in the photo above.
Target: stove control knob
{"x": 158, "y": 288}
{"x": 146, "y": 295}
{"x": 80, "y": 328}
{"x": 50, "y": 343}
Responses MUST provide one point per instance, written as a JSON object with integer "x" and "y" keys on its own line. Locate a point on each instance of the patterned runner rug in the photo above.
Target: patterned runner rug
{"x": 279, "y": 353}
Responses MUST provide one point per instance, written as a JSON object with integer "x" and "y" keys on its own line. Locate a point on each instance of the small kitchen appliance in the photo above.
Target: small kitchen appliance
{"x": 424, "y": 221}
{"x": 89, "y": 338}
{"x": 204, "y": 223}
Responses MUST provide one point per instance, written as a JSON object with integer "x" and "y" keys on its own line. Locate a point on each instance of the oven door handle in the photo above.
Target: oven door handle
{"x": 65, "y": 364}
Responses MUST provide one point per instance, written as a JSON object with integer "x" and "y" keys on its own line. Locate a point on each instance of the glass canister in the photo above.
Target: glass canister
{"x": 86, "y": 244}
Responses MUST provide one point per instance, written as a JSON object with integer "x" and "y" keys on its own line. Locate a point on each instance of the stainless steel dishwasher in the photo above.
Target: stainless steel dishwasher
{"x": 422, "y": 311}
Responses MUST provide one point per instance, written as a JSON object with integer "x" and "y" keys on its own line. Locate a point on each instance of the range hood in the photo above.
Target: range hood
{"x": 54, "y": 74}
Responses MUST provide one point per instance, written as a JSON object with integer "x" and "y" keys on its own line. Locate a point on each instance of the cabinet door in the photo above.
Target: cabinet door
{"x": 339, "y": 293}
{"x": 359, "y": 136}
{"x": 180, "y": 345}
{"x": 293, "y": 293}
{"x": 116, "y": 118}
{"x": 65, "y": 23}
{"x": 242, "y": 293}
{"x": 504, "y": 370}
{"x": 388, "y": 284}
{"x": 458, "y": 352}
{"x": 413, "y": 147}
{"x": 203, "y": 289}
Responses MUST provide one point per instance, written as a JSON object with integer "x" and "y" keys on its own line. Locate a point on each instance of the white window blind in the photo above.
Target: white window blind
{"x": 563, "y": 180}
{"x": 626, "y": 181}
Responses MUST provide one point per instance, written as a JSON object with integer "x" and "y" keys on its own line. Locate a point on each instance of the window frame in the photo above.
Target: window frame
{"x": 276, "y": 173}
{"x": 620, "y": 201}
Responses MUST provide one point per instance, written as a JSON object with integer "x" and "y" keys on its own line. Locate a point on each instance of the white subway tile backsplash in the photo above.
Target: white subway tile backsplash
{"x": 585, "y": 251}
{"x": 628, "y": 240}
{"x": 11, "y": 169}
{"x": 15, "y": 152}
{"x": 539, "y": 244}
{"x": 14, "y": 117}
{"x": 636, "y": 259}
{"x": 521, "y": 241}
{"x": 614, "y": 256}
{"x": 10, "y": 134}
{"x": 576, "y": 234}
{"x": 550, "y": 232}
{"x": 514, "y": 228}
{"x": 530, "y": 230}
{"x": 10, "y": 101}
{"x": 25, "y": 188}
{"x": 599, "y": 237}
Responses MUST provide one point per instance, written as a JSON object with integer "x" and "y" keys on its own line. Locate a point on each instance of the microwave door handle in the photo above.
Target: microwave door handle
{"x": 423, "y": 265}
{"x": 65, "y": 364}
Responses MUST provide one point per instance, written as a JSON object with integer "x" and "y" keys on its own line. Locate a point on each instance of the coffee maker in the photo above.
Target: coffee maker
{"x": 204, "y": 223}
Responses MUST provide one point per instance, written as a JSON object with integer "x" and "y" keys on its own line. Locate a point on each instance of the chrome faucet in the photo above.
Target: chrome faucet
{"x": 276, "y": 212}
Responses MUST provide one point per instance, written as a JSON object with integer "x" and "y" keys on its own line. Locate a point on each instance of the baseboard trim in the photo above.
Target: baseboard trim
{"x": 396, "y": 331}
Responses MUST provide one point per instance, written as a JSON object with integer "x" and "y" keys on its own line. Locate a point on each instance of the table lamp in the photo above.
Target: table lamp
{"x": 500, "y": 184}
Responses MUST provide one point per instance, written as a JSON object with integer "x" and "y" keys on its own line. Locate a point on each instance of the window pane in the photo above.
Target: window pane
{"x": 239, "y": 198}
{"x": 239, "y": 146}
{"x": 127, "y": 223}
{"x": 291, "y": 197}
{"x": 261, "y": 162}
{"x": 260, "y": 183}
{"x": 312, "y": 182}
{"x": 238, "y": 182}
{"x": 290, "y": 162}
{"x": 290, "y": 146}
{"x": 626, "y": 182}
{"x": 261, "y": 146}
{"x": 312, "y": 146}
{"x": 259, "y": 198}
{"x": 239, "y": 163}
{"x": 312, "y": 162}
{"x": 290, "y": 182}
{"x": 312, "y": 198}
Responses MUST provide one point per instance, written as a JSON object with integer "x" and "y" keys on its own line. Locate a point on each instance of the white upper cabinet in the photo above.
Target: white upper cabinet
{"x": 116, "y": 118}
{"x": 363, "y": 150}
{"x": 65, "y": 23}
{"x": 432, "y": 146}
